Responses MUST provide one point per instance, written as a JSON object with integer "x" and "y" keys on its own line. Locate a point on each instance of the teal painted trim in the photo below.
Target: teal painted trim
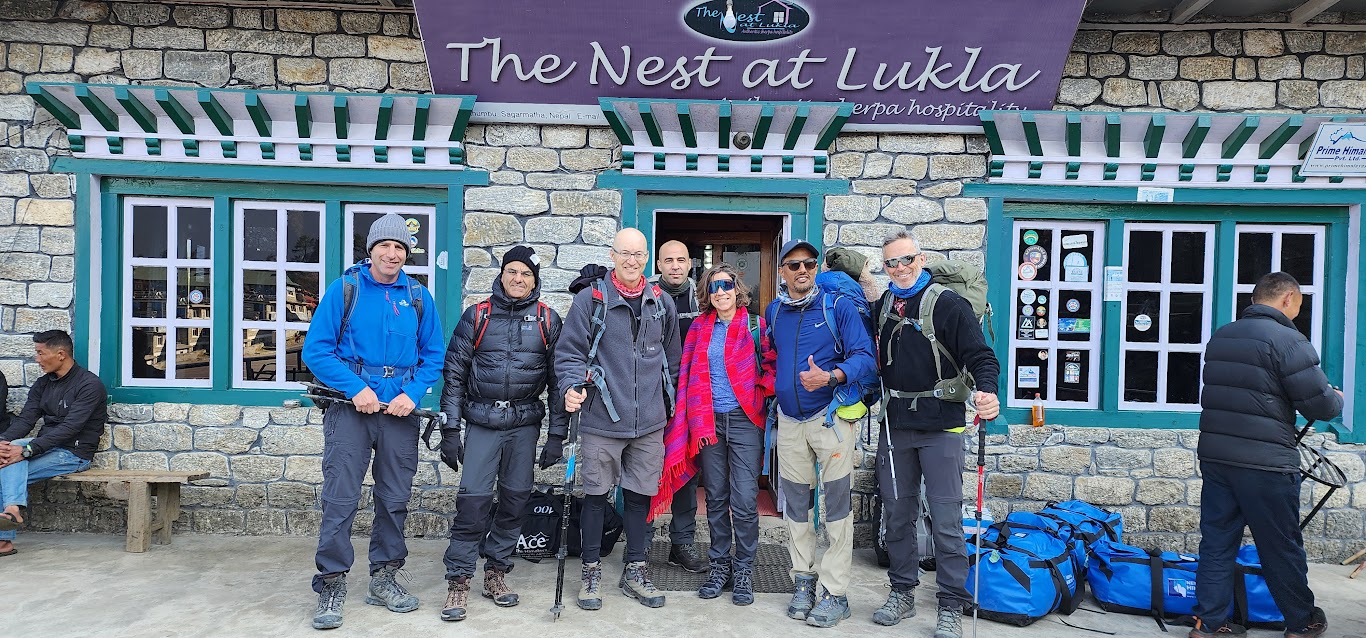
{"x": 260, "y": 117}
{"x": 334, "y": 257}
{"x": 1095, "y": 419}
{"x": 1129, "y": 195}
{"x": 723, "y": 125}
{"x": 1239, "y": 136}
{"x": 111, "y": 255}
{"x": 984, "y": 114}
{"x": 1334, "y": 296}
{"x": 1225, "y": 272}
{"x": 1177, "y": 213}
{"x": 271, "y": 174}
{"x": 462, "y": 120}
{"x": 630, "y": 208}
{"x": 205, "y": 396}
{"x": 761, "y": 129}
{"x": 1152, "y": 140}
{"x": 264, "y": 91}
{"x": 222, "y": 361}
{"x": 80, "y": 304}
{"x": 647, "y": 117}
{"x": 993, "y": 135}
{"x": 794, "y": 130}
{"x": 220, "y": 118}
{"x": 303, "y": 116}
{"x": 256, "y": 190}
{"x": 421, "y": 113}
{"x": 685, "y": 123}
{"x": 101, "y": 111}
{"x": 1195, "y": 137}
{"x": 1273, "y": 142}
{"x": 136, "y": 109}
{"x": 341, "y": 115}
{"x": 613, "y": 120}
{"x": 729, "y": 185}
{"x": 1111, "y": 352}
{"x": 175, "y": 110}
{"x": 998, "y": 267}
{"x": 1074, "y": 134}
{"x": 52, "y": 105}
{"x": 385, "y": 116}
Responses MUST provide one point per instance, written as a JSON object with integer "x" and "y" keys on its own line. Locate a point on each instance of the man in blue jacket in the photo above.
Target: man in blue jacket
{"x": 810, "y": 366}
{"x": 1259, "y": 371}
{"x": 375, "y": 337}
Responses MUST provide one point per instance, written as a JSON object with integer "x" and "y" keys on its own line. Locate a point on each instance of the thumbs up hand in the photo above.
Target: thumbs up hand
{"x": 813, "y": 378}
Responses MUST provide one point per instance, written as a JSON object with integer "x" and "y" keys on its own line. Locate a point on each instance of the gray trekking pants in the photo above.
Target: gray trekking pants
{"x": 349, "y": 437}
{"x": 730, "y": 476}
{"x": 902, "y": 461}
{"x": 501, "y": 458}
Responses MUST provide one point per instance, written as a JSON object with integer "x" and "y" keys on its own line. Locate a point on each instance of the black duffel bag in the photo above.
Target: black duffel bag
{"x": 541, "y": 526}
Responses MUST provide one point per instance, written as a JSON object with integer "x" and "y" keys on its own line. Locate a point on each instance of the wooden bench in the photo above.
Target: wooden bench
{"x": 141, "y": 485}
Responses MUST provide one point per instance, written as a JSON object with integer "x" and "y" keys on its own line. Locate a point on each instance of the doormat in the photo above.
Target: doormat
{"x": 771, "y": 565}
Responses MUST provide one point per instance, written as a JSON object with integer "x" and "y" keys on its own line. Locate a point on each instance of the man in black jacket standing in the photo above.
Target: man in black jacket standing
{"x": 71, "y": 402}
{"x": 1259, "y": 371}
{"x": 500, "y": 359}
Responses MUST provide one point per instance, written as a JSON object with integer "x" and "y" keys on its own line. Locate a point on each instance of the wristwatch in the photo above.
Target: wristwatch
{"x": 28, "y": 451}
{"x": 834, "y": 380}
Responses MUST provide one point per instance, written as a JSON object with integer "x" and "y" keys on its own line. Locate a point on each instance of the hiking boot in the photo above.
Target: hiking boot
{"x": 497, "y": 589}
{"x": 635, "y": 583}
{"x": 1318, "y": 623}
{"x": 1203, "y": 630}
{"x": 330, "y": 600}
{"x": 900, "y": 604}
{"x": 686, "y": 556}
{"x": 717, "y": 581}
{"x": 829, "y": 611}
{"x": 803, "y": 598}
{"x": 590, "y": 596}
{"x": 744, "y": 586}
{"x": 457, "y": 597}
{"x": 949, "y": 624}
{"x": 385, "y": 590}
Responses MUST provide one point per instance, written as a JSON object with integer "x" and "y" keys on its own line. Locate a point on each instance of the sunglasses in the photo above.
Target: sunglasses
{"x": 720, "y": 285}
{"x": 904, "y": 260}
{"x": 797, "y": 264}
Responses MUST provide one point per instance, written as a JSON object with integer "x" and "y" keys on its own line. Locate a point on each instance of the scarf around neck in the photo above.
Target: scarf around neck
{"x": 688, "y": 287}
{"x": 787, "y": 299}
{"x": 906, "y": 293}
{"x": 628, "y": 292}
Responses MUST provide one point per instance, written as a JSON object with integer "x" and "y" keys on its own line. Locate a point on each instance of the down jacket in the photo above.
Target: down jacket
{"x": 512, "y": 364}
{"x": 1259, "y": 370}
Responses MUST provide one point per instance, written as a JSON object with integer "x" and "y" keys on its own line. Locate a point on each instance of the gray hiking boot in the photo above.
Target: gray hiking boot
{"x": 590, "y": 594}
{"x": 829, "y": 611}
{"x": 717, "y": 580}
{"x": 686, "y": 556}
{"x": 900, "y": 604}
{"x": 803, "y": 598}
{"x": 950, "y": 623}
{"x": 457, "y": 598}
{"x": 330, "y": 600}
{"x": 495, "y": 588}
{"x": 744, "y": 585}
{"x": 635, "y": 583}
{"x": 385, "y": 590}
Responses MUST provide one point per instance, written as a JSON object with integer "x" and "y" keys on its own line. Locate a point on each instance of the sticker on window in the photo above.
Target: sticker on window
{"x": 1028, "y": 376}
{"x": 1075, "y": 268}
{"x": 1028, "y": 272}
{"x": 1036, "y": 255}
{"x": 1074, "y": 241}
{"x": 1143, "y": 323}
{"x": 1027, "y": 296}
{"x": 1031, "y": 237}
{"x": 1027, "y": 310}
{"x": 1073, "y": 305}
{"x": 1074, "y": 326}
{"x": 1071, "y": 373}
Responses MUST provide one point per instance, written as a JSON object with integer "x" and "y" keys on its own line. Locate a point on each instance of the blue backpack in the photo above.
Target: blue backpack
{"x": 1130, "y": 580}
{"x": 840, "y": 287}
{"x": 1252, "y": 602}
{"x": 1025, "y": 575}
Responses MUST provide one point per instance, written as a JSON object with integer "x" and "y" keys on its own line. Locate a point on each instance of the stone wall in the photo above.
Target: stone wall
{"x": 264, "y": 462}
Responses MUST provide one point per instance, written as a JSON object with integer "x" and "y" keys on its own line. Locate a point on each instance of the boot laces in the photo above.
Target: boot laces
{"x": 457, "y": 593}
{"x": 388, "y": 580}
{"x": 333, "y": 595}
{"x": 641, "y": 574}
{"x": 493, "y": 581}
{"x": 744, "y": 578}
{"x": 592, "y": 577}
{"x": 898, "y": 600}
{"x": 950, "y": 620}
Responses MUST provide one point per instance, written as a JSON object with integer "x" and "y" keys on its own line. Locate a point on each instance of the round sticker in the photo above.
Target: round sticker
{"x": 413, "y": 225}
{"x": 1036, "y": 255}
{"x": 1073, "y": 305}
{"x": 1031, "y": 237}
{"x": 1027, "y": 310}
{"x": 1043, "y": 299}
{"x": 1041, "y": 311}
{"x": 1042, "y": 323}
{"x": 1142, "y": 323}
{"x": 1027, "y": 296}
{"x": 1074, "y": 260}
{"x": 1028, "y": 272}
{"x": 1043, "y": 355}
{"x": 412, "y": 240}
{"x": 196, "y": 296}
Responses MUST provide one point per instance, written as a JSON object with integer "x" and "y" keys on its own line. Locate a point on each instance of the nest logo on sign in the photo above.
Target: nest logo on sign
{"x": 747, "y": 20}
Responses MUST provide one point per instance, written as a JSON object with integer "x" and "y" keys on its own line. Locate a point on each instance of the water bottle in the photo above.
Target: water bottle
{"x": 1038, "y": 410}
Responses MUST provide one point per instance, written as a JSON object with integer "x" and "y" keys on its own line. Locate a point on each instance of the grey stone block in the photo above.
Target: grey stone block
{"x": 251, "y": 468}
{"x": 506, "y": 199}
{"x": 1161, "y": 491}
{"x": 1105, "y": 490}
{"x": 1047, "y": 487}
{"x": 228, "y": 440}
{"x": 292, "y": 440}
{"x": 600, "y": 202}
{"x": 491, "y": 229}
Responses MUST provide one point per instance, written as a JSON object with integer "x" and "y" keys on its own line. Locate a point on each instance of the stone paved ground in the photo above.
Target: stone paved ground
{"x": 208, "y": 585}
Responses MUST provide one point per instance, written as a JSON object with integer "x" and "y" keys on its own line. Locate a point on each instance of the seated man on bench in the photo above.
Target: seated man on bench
{"x": 71, "y": 401}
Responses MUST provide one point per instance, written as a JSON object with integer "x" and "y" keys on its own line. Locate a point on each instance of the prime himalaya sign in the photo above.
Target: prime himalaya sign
{"x": 901, "y": 63}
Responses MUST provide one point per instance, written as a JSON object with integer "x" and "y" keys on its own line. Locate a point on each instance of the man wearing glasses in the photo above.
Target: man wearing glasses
{"x": 811, "y": 363}
{"x": 923, "y": 428}
{"x": 631, "y": 361}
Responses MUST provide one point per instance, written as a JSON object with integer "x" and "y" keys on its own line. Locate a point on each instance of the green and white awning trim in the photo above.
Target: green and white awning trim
{"x": 721, "y": 137}
{"x": 264, "y": 128}
{"x": 1155, "y": 149}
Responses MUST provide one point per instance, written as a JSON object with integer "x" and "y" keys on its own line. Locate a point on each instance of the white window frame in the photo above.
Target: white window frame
{"x": 1053, "y": 345}
{"x": 1165, "y": 288}
{"x": 429, "y": 271}
{"x": 279, "y": 324}
{"x": 1315, "y": 288}
{"x": 171, "y": 323}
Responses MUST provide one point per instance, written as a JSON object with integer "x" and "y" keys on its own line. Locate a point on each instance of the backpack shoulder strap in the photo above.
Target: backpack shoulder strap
{"x": 754, "y": 332}
{"x": 925, "y": 323}
{"x": 417, "y": 299}
{"x": 482, "y": 310}
{"x": 598, "y": 321}
{"x": 543, "y": 321}
{"x": 349, "y": 285}
{"x": 828, "y": 301}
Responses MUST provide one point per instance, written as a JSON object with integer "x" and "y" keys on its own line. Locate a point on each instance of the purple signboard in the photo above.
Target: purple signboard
{"x": 905, "y": 64}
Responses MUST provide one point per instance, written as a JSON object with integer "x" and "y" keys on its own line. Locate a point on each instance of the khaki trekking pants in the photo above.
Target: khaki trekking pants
{"x": 801, "y": 445}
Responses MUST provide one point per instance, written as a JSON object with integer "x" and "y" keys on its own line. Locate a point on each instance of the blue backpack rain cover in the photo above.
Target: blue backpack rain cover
{"x": 1130, "y": 580}
{"x": 1027, "y": 572}
{"x": 1252, "y": 602}
{"x": 1090, "y": 522}
{"x": 839, "y": 287}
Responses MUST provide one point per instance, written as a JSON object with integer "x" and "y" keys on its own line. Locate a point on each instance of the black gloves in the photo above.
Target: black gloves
{"x": 553, "y": 451}
{"x": 452, "y": 448}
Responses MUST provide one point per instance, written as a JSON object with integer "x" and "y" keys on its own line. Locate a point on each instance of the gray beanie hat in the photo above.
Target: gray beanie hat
{"x": 390, "y": 226}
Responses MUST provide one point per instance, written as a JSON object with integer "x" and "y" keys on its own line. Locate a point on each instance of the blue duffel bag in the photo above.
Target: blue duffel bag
{"x": 1025, "y": 575}
{"x": 1090, "y": 522}
{"x": 1130, "y": 580}
{"x": 1020, "y": 527}
{"x": 1252, "y": 602}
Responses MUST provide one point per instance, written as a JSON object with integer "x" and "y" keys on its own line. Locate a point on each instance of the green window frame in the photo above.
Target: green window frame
{"x": 102, "y": 186}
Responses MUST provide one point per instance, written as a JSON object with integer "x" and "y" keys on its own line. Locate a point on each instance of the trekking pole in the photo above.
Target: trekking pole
{"x": 327, "y": 395}
{"x": 570, "y": 454}
{"x": 977, "y": 516}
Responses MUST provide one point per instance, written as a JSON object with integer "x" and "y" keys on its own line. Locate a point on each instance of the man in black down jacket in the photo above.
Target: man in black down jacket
{"x": 1259, "y": 370}
{"x": 500, "y": 359}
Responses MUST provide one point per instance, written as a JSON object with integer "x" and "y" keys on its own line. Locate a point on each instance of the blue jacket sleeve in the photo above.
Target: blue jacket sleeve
{"x": 321, "y": 347}
{"x": 431, "y": 352}
{"x": 860, "y": 363}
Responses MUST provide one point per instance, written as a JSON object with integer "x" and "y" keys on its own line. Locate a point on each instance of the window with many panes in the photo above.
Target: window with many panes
{"x": 1293, "y": 249}
{"x": 168, "y": 293}
{"x": 279, "y": 256}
